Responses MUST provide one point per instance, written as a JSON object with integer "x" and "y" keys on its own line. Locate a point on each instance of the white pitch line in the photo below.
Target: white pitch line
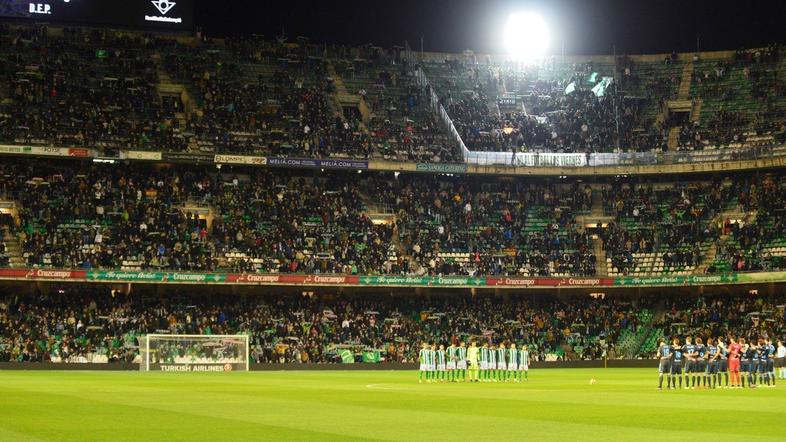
{"x": 377, "y": 387}
{"x": 382, "y": 387}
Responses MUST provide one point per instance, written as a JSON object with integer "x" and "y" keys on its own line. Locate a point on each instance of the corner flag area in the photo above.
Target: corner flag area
{"x": 383, "y": 405}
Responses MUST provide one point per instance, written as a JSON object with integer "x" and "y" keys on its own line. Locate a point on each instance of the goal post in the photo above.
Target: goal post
{"x": 180, "y": 353}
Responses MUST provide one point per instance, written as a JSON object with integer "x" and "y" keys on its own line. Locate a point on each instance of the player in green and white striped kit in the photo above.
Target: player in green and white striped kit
{"x": 461, "y": 361}
{"x": 513, "y": 363}
{"x": 502, "y": 365}
{"x": 441, "y": 364}
{"x": 451, "y": 352}
{"x": 493, "y": 363}
{"x": 524, "y": 363}
{"x": 484, "y": 362}
{"x": 432, "y": 363}
{"x": 423, "y": 358}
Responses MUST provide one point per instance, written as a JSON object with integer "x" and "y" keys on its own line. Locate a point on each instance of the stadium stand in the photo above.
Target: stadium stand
{"x": 113, "y": 91}
{"x": 83, "y": 326}
{"x": 299, "y": 99}
{"x": 134, "y": 217}
{"x": 87, "y": 327}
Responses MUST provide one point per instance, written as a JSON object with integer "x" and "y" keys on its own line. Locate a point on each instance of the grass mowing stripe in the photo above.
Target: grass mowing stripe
{"x": 7, "y": 434}
{"x": 112, "y": 420}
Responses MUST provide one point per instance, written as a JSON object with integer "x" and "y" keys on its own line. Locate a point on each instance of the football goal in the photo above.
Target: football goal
{"x": 193, "y": 352}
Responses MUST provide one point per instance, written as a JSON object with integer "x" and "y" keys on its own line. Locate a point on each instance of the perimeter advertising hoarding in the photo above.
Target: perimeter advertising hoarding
{"x": 317, "y": 163}
{"x": 383, "y": 281}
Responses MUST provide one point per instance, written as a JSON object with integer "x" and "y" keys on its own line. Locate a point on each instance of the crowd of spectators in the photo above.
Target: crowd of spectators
{"x": 499, "y": 228}
{"x": 107, "y": 90}
{"x": 712, "y": 316}
{"x": 193, "y": 218}
{"x": 100, "y": 89}
{"x": 742, "y": 102}
{"x": 751, "y": 243}
{"x": 553, "y": 107}
{"x": 672, "y": 221}
{"x": 82, "y": 88}
{"x": 88, "y": 325}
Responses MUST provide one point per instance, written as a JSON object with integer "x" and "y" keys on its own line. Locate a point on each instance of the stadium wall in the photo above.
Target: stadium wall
{"x": 622, "y": 363}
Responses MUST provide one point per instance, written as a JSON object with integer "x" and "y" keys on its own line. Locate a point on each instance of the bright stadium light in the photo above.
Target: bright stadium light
{"x": 526, "y": 36}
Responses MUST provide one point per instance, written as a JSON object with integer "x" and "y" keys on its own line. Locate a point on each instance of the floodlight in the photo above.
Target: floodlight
{"x": 526, "y": 36}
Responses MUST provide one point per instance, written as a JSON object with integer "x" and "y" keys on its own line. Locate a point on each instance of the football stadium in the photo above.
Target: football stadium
{"x": 434, "y": 220}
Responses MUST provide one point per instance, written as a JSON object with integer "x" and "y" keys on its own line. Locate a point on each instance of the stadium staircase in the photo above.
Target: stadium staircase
{"x": 167, "y": 87}
{"x": 695, "y": 112}
{"x": 685, "y": 82}
{"x": 710, "y": 258}
{"x": 343, "y": 97}
{"x": 644, "y": 340}
{"x": 600, "y": 255}
{"x": 674, "y": 137}
{"x": 683, "y": 103}
{"x": 596, "y": 216}
{"x": 381, "y": 213}
{"x": 649, "y": 343}
{"x": 13, "y": 249}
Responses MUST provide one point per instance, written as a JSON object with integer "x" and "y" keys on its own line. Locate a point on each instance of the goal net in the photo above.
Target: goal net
{"x": 193, "y": 352}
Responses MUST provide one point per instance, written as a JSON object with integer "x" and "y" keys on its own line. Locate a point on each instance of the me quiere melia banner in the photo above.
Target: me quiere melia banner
{"x": 378, "y": 281}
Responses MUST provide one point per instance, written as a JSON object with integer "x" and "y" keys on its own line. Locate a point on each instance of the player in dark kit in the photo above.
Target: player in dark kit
{"x": 676, "y": 363}
{"x": 771, "y": 361}
{"x": 699, "y": 365}
{"x": 688, "y": 350}
{"x": 764, "y": 355}
{"x": 664, "y": 368}
{"x": 745, "y": 362}
{"x": 713, "y": 361}
{"x": 752, "y": 355}
{"x": 723, "y": 362}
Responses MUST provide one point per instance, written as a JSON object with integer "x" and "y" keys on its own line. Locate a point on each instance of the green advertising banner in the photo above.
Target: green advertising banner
{"x": 759, "y": 277}
{"x": 677, "y": 280}
{"x": 156, "y": 276}
{"x": 437, "y": 281}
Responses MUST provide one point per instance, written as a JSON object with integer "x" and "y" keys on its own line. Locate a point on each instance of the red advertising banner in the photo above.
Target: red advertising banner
{"x": 258, "y": 278}
{"x": 42, "y": 274}
{"x": 514, "y": 281}
{"x": 80, "y": 152}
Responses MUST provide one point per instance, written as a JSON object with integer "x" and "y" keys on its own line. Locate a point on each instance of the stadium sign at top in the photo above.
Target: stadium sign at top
{"x": 158, "y": 14}
{"x": 163, "y": 6}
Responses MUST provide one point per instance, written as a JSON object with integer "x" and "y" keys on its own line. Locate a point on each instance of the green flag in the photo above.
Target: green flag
{"x": 371, "y": 356}
{"x": 593, "y": 78}
{"x": 346, "y": 356}
{"x": 600, "y": 89}
{"x": 571, "y": 87}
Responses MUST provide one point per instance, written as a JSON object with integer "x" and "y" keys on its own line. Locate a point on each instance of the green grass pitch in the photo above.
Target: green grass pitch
{"x": 352, "y": 405}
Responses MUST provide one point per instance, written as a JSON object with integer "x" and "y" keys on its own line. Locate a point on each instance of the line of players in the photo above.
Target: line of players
{"x": 702, "y": 365}
{"x": 484, "y": 364}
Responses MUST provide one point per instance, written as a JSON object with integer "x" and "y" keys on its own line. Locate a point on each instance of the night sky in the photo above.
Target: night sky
{"x": 584, "y": 27}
